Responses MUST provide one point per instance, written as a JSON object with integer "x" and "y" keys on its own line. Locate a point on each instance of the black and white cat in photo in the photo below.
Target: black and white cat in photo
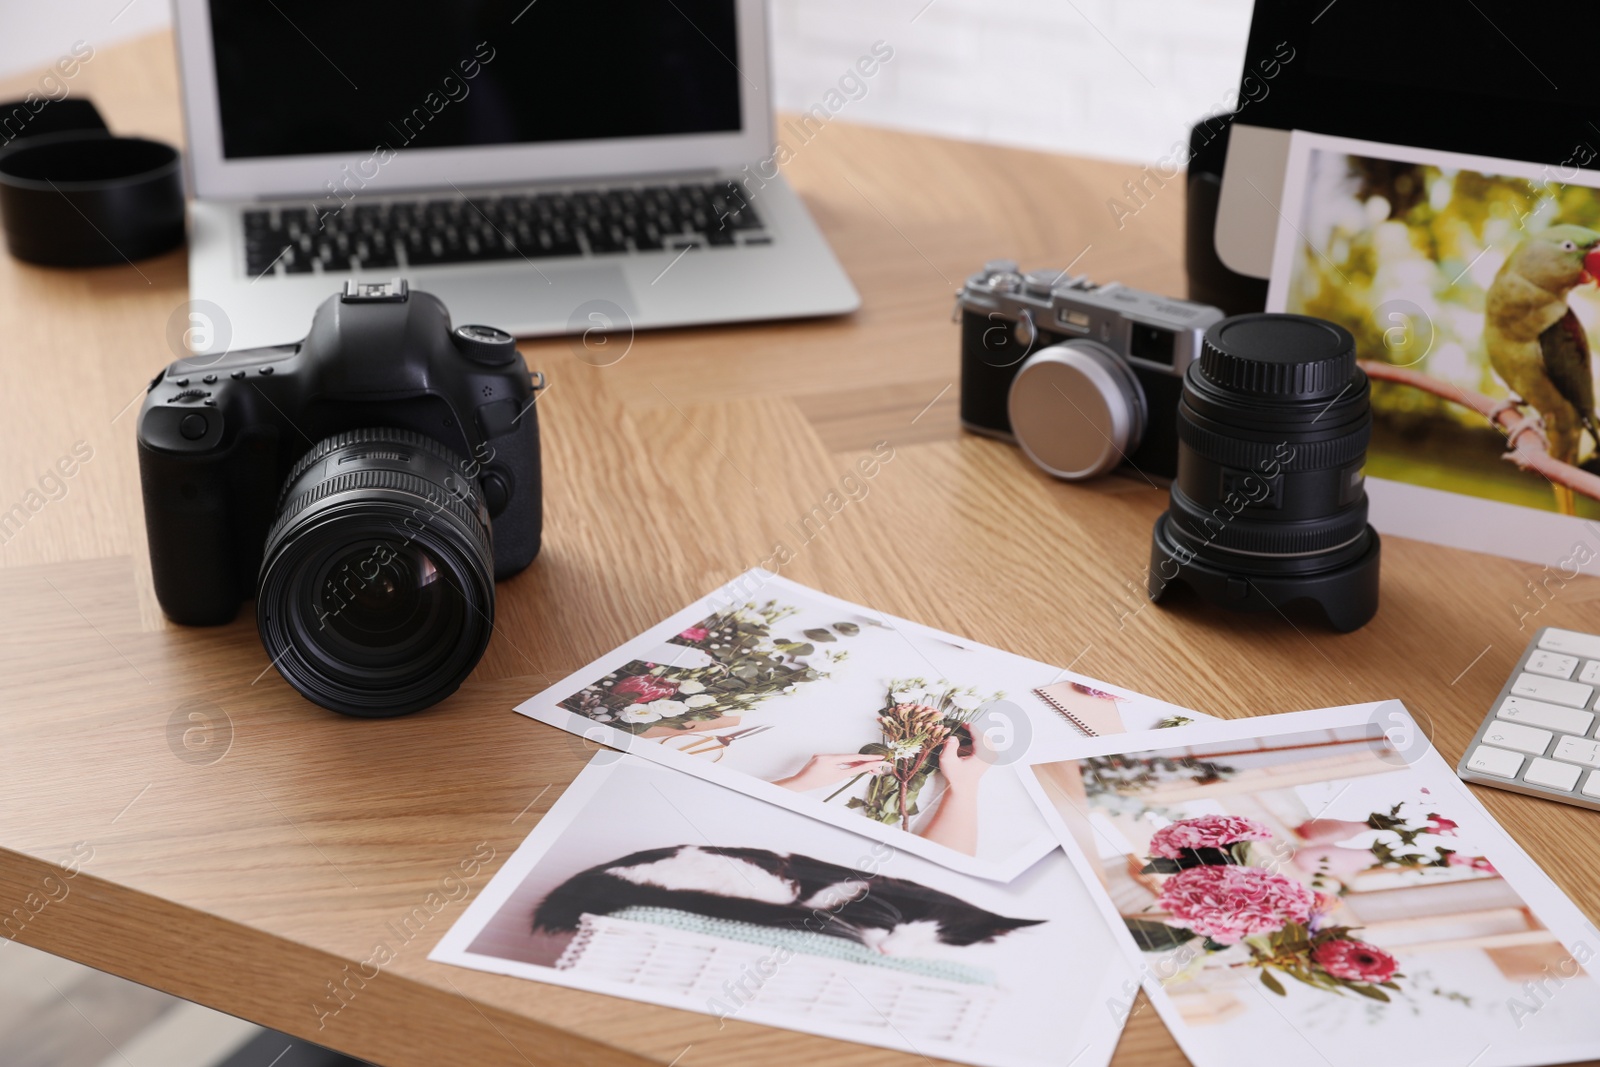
{"x": 893, "y": 916}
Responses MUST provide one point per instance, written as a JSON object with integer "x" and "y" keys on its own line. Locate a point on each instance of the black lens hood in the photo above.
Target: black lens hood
{"x": 84, "y": 198}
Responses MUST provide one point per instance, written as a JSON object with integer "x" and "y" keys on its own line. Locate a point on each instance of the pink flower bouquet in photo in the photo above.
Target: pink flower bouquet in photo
{"x": 1187, "y": 838}
{"x": 1217, "y": 902}
{"x": 1228, "y": 903}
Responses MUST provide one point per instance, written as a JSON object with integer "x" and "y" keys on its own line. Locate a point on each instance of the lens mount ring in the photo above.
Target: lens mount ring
{"x": 376, "y": 591}
{"x": 1077, "y": 409}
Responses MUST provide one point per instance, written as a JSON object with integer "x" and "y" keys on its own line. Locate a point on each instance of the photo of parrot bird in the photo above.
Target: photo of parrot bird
{"x": 1537, "y": 345}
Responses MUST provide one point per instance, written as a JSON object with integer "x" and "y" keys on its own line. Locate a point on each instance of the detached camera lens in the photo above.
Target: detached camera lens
{"x": 377, "y": 582}
{"x": 1269, "y": 506}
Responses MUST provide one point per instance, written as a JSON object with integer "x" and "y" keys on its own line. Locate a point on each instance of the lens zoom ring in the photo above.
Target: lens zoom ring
{"x": 1226, "y": 530}
{"x": 1263, "y": 455}
{"x": 376, "y": 435}
{"x": 400, "y": 481}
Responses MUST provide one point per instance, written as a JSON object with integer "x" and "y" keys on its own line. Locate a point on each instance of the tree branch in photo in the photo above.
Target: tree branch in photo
{"x": 1527, "y": 453}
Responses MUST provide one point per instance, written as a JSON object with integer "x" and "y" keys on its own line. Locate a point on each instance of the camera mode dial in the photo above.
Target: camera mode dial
{"x": 485, "y": 344}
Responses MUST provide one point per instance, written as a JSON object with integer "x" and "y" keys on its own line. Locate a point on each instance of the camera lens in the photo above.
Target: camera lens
{"x": 1269, "y": 505}
{"x": 1076, "y": 409}
{"x": 377, "y": 579}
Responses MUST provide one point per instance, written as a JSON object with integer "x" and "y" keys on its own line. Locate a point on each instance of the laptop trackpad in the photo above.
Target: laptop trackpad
{"x": 533, "y": 297}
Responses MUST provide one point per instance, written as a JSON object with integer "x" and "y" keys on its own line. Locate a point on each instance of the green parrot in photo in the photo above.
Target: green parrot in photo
{"x": 1537, "y": 345}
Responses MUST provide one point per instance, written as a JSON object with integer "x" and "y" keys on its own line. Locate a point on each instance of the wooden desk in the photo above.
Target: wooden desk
{"x": 249, "y": 883}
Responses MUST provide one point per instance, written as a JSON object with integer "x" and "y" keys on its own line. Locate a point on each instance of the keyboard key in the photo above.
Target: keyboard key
{"x": 1562, "y": 776}
{"x": 1496, "y": 761}
{"x": 1571, "y": 644}
{"x": 1590, "y": 674}
{"x": 1552, "y": 663}
{"x": 1546, "y": 716}
{"x": 1554, "y": 690}
{"x": 1520, "y": 738}
{"x": 1577, "y": 750}
{"x": 1591, "y": 785}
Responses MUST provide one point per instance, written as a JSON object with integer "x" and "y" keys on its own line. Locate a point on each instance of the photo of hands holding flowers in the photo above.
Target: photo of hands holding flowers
{"x": 728, "y": 665}
{"x": 872, "y": 723}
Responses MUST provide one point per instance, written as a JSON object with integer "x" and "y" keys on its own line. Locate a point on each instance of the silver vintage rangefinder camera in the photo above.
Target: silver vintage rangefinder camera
{"x": 1083, "y": 377}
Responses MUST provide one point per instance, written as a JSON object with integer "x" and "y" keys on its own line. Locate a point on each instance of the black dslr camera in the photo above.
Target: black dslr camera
{"x": 349, "y": 481}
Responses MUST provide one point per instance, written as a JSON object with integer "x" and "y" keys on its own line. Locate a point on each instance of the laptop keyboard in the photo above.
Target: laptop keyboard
{"x": 391, "y": 234}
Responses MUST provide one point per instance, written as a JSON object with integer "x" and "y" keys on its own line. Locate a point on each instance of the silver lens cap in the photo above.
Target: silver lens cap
{"x": 1077, "y": 410}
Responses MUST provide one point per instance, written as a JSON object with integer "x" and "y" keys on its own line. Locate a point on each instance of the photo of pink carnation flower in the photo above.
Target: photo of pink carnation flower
{"x": 1205, "y": 831}
{"x": 1228, "y": 903}
{"x": 1355, "y": 961}
{"x": 695, "y": 634}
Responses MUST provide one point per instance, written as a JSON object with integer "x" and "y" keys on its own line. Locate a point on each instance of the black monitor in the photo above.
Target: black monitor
{"x": 1483, "y": 77}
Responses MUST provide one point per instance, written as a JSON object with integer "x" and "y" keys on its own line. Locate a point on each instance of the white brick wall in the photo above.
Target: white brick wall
{"x": 1039, "y": 73}
{"x": 1119, "y": 79}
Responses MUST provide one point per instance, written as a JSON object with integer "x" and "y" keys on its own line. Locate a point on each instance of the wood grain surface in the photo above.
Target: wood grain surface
{"x": 248, "y": 875}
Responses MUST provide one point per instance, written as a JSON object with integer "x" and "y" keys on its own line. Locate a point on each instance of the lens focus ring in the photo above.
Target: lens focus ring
{"x": 473, "y": 518}
{"x": 1245, "y": 454}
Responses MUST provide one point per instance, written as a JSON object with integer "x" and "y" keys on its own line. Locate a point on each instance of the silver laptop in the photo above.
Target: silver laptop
{"x": 545, "y": 166}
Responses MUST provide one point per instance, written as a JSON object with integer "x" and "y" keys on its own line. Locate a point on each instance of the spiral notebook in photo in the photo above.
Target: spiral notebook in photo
{"x": 1092, "y": 711}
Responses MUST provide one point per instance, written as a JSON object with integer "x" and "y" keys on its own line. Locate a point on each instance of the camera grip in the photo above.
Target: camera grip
{"x": 192, "y": 547}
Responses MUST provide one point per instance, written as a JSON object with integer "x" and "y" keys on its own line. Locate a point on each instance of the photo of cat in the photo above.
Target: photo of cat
{"x": 657, "y": 886}
{"x": 891, "y": 916}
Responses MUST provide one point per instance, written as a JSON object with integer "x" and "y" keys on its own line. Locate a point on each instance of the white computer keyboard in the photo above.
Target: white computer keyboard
{"x": 1539, "y": 737}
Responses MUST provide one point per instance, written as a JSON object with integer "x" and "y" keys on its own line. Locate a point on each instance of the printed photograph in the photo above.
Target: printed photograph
{"x": 656, "y": 886}
{"x": 869, "y": 721}
{"x": 1317, "y": 890}
{"x": 1470, "y": 287}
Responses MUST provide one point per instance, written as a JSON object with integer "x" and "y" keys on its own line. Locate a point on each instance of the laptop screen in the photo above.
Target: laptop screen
{"x": 297, "y": 77}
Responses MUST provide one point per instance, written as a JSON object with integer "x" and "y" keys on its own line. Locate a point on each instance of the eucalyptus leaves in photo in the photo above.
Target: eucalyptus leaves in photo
{"x": 747, "y": 666}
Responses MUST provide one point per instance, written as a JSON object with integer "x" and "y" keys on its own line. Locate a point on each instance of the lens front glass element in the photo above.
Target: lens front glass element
{"x": 381, "y": 604}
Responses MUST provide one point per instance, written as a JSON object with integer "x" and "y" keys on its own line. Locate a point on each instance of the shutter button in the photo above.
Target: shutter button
{"x": 193, "y": 427}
